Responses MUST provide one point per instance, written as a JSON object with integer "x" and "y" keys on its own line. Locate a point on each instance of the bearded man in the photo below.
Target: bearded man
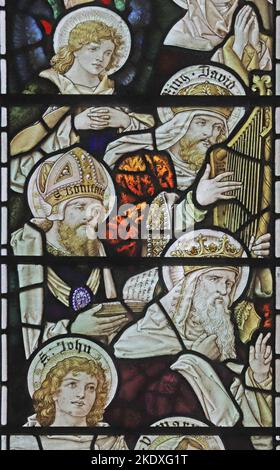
{"x": 69, "y": 196}
{"x": 187, "y": 340}
{"x": 182, "y": 144}
{"x": 186, "y": 136}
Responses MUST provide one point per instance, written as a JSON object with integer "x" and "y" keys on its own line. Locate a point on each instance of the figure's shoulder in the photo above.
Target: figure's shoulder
{"x": 23, "y": 443}
{"x": 27, "y": 240}
{"x": 40, "y": 85}
{"x": 53, "y": 76}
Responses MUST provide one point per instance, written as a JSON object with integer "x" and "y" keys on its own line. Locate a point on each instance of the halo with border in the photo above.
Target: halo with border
{"x": 92, "y": 13}
{"x": 168, "y": 442}
{"x": 61, "y": 348}
{"x": 198, "y": 75}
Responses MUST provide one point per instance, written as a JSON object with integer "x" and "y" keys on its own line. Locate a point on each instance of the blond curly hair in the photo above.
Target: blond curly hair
{"x": 83, "y": 34}
{"x": 43, "y": 401}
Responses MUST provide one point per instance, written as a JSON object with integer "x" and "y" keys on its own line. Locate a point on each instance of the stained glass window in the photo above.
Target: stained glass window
{"x": 140, "y": 225}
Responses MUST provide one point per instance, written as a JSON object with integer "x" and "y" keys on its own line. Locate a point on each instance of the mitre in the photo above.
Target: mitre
{"x": 69, "y": 176}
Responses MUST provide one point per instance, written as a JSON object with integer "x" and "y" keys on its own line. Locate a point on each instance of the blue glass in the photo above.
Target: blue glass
{"x": 126, "y": 76}
{"x": 23, "y": 67}
{"x": 138, "y": 41}
{"x": 140, "y": 14}
{"x": 38, "y": 59}
{"x": 25, "y": 31}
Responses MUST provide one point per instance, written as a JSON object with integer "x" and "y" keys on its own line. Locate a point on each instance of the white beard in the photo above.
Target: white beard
{"x": 215, "y": 319}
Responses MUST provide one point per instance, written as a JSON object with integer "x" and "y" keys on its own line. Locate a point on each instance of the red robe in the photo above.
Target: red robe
{"x": 149, "y": 391}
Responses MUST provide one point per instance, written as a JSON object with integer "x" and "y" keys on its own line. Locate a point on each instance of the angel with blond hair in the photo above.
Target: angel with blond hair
{"x": 90, "y": 44}
{"x": 73, "y": 389}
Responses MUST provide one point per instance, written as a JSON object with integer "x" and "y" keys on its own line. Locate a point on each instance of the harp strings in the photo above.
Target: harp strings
{"x": 244, "y": 159}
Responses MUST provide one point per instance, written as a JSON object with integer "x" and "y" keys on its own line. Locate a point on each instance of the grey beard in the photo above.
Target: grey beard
{"x": 215, "y": 320}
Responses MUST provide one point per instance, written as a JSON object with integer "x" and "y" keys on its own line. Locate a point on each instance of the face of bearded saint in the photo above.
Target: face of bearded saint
{"x": 81, "y": 217}
{"x": 211, "y": 304}
{"x": 203, "y": 132}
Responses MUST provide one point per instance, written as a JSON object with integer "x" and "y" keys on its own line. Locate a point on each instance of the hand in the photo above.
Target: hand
{"x": 243, "y": 23}
{"x": 260, "y": 358}
{"x": 210, "y": 191}
{"x": 101, "y": 118}
{"x": 207, "y": 346}
{"x": 261, "y": 247}
{"x": 108, "y": 117}
{"x": 87, "y": 323}
{"x": 83, "y": 120}
{"x": 254, "y": 34}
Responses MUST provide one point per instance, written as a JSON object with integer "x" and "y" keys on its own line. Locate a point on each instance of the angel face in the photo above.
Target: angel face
{"x": 94, "y": 58}
{"x": 76, "y": 394}
{"x": 89, "y": 48}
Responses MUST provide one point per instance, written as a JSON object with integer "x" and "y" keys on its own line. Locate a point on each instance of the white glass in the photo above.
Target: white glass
{"x": 4, "y": 375}
{"x": 4, "y": 313}
{"x": 4, "y": 405}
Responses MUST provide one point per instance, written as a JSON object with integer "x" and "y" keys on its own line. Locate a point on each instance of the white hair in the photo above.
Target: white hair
{"x": 215, "y": 320}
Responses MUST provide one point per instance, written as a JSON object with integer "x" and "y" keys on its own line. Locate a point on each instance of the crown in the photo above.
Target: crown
{"x": 74, "y": 174}
{"x": 206, "y": 89}
{"x": 221, "y": 248}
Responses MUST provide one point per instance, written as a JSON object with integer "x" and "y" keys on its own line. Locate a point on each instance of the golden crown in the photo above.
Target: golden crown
{"x": 222, "y": 248}
{"x": 74, "y": 174}
{"x": 206, "y": 89}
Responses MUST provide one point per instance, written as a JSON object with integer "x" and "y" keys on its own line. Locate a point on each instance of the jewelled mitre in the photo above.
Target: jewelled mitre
{"x": 72, "y": 175}
{"x": 204, "y": 244}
